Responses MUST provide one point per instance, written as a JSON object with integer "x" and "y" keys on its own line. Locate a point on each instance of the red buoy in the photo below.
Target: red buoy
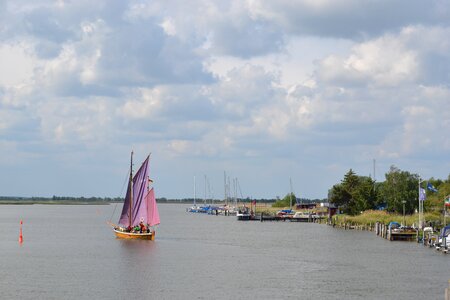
{"x": 20, "y": 233}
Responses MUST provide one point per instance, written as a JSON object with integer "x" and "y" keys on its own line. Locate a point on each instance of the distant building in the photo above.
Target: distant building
{"x": 332, "y": 209}
{"x": 306, "y": 205}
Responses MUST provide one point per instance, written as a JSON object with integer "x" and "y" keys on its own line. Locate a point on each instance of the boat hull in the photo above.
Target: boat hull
{"x": 243, "y": 217}
{"x": 131, "y": 235}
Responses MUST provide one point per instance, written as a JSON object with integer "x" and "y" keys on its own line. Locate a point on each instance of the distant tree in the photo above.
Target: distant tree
{"x": 286, "y": 201}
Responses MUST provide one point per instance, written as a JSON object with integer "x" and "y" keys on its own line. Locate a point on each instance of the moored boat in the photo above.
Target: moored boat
{"x": 443, "y": 241}
{"x": 243, "y": 213}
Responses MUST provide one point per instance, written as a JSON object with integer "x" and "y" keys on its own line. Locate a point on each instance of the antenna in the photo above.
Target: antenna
{"x": 374, "y": 176}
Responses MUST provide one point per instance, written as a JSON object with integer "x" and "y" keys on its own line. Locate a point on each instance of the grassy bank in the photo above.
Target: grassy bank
{"x": 372, "y": 216}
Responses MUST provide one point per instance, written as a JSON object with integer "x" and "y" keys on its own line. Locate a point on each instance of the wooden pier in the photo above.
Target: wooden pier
{"x": 386, "y": 232}
{"x": 274, "y": 218}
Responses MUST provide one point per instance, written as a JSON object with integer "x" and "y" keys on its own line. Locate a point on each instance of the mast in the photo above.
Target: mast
{"x": 131, "y": 190}
{"x": 225, "y": 187}
{"x": 195, "y": 192}
{"x": 290, "y": 196}
{"x": 204, "y": 200}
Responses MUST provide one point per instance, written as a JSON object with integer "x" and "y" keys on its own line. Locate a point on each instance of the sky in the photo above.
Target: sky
{"x": 267, "y": 91}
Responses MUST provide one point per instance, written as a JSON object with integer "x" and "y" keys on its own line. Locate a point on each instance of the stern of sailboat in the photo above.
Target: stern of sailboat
{"x": 132, "y": 235}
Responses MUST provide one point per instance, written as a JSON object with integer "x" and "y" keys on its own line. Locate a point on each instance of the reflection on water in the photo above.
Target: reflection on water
{"x": 70, "y": 253}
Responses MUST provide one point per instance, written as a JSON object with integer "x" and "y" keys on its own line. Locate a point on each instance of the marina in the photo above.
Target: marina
{"x": 392, "y": 231}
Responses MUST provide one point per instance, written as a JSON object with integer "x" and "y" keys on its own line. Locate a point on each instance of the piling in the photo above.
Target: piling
{"x": 447, "y": 292}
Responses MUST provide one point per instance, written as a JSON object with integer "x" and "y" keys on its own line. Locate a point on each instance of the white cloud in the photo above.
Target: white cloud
{"x": 17, "y": 62}
{"x": 148, "y": 104}
{"x": 310, "y": 88}
{"x": 386, "y": 61}
{"x": 68, "y": 121}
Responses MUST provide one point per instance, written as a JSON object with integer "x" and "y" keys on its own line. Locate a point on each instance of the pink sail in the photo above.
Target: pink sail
{"x": 152, "y": 209}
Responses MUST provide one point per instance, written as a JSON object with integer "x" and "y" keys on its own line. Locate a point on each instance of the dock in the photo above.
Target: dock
{"x": 274, "y": 218}
{"x": 385, "y": 231}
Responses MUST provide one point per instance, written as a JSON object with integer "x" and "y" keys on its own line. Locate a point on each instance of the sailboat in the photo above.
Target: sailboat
{"x": 140, "y": 212}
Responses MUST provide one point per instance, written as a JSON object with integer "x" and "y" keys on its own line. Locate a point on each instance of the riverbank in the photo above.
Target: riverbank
{"x": 370, "y": 217}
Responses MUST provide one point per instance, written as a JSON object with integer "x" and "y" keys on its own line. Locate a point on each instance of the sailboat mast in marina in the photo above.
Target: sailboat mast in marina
{"x": 140, "y": 212}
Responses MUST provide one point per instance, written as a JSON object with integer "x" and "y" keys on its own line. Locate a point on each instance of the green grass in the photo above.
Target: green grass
{"x": 372, "y": 216}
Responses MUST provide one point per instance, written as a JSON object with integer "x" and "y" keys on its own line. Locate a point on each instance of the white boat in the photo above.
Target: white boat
{"x": 301, "y": 216}
{"x": 443, "y": 242}
{"x": 243, "y": 213}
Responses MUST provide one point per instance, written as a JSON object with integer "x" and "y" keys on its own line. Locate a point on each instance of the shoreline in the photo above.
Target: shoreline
{"x": 21, "y": 202}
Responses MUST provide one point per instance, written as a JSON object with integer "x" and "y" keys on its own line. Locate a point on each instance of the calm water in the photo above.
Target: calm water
{"x": 69, "y": 252}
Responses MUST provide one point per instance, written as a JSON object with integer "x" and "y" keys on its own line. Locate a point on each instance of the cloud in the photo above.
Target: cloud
{"x": 266, "y": 90}
{"x": 69, "y": 121}
{"x": 97, "y": 52}
{"x": 386, "y": 61}
{"x": 350, "y": 19}
{"x": 214, "y": 27}
{"x": 408, "y": 57}
{"x": 16, "y": 63}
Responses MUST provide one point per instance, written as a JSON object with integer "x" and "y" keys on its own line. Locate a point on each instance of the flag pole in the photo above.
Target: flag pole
{"x": 420, "y": 207}
{"x": 445, "y": 210}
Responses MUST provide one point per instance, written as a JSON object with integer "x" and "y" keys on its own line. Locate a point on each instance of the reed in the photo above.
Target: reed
{"x": 372, "y": 216}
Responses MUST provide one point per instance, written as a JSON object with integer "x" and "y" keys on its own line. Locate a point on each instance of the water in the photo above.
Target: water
{"x": 69, "y": 252}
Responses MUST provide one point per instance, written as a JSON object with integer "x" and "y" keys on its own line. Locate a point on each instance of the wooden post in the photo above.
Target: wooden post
{"x": 447, "y": 292}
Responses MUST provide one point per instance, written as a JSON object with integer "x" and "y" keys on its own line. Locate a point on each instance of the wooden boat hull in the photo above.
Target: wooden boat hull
{"x": 132, "y": 235}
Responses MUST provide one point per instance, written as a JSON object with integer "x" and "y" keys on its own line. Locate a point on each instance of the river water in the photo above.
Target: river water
{"x": 69, "y": 252}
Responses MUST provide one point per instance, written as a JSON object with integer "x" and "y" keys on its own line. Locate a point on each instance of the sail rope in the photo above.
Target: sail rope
{"x": 121, "y": 193}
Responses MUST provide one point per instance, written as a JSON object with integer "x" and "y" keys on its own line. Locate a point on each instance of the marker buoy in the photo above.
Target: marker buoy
{"x": 20, "y": 233}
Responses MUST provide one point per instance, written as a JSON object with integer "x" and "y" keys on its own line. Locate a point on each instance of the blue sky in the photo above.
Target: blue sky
{"x": 264, "y": 90}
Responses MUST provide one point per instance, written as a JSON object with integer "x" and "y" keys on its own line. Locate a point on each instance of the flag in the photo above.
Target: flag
{"x": 422, "y": 194}
{"x": 447, "y": 201}
{"x": 430, "y": 187}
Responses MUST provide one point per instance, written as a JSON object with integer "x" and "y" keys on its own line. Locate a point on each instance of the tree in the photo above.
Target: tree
{"x": 339, "y": 196}
{"x": 286, "y": 201}
{"x": 401, "y": 186}
{"x": 354, "y": 194}
{"x": 364, "y": 195}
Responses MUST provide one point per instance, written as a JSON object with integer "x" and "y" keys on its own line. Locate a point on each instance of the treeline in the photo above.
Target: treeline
{"x": 292, "y": 199}
{"x": 59, "y": 199}
{"x": 89, "y": 199}
{"x": 65, "y": 199}
{"x": 399, "y": 191}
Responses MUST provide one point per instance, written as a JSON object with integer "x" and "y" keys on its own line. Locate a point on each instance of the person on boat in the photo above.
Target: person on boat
{"x": 142, "y": 227}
